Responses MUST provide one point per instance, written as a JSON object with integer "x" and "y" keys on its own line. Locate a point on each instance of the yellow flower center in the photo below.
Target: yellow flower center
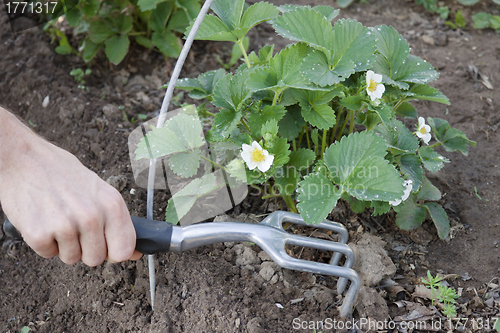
{"x": 257, "y": 156}
{"x": 423, "y": 130}
{"x": 372, "y": 86}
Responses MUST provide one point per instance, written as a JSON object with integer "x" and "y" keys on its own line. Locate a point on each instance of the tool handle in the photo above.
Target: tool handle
{"x": 152, "y": 236}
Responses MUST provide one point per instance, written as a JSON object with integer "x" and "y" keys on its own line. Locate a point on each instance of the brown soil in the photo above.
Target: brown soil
{"x": 204, "y": 290}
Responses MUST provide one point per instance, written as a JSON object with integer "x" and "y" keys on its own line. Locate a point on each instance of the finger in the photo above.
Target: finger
{"x": 69, "y": 244}
{"x": 136, "y": 256}
{"x": 118, "y": 229}
{"x": 41, "y": 241}
{"x": 92, "y": 242}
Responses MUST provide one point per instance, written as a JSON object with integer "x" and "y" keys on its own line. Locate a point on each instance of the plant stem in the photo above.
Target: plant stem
{"x": 307, "y": 137}
{"x": 323, "y": 143}
{"x": 243, "y": 122}
{"x": 240, "y": 44}
{"x": 336, "y": 125}
{"x": 294, "y": 145}
{"x": 271, "y": 196}
{"x": 213, "y": 163}
{"x": 437, "y": 144}
{"x": 276, "y": 95}
{"x": 398, "y": 104}
{"x": 351, "y": 125}
{"x": 343, "y": 126}
{"x": 289, "y": 202}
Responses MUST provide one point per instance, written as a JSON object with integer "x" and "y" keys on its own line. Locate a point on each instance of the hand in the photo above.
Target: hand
{"x": 59, "y": 206}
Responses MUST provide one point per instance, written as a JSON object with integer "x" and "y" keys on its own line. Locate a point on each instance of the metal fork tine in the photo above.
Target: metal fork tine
{"x": 321, "y": 244}
{"x": 276, "y": 220}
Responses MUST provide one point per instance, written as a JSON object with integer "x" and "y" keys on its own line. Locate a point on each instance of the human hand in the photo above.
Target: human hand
{"x": 59, "y": 206}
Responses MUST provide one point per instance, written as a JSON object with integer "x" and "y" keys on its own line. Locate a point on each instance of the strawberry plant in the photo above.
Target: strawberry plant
{"x": 313, "y": 123}
{"x": 110, "y": 25}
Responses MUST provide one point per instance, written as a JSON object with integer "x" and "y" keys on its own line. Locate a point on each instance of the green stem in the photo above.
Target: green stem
{"x": 308, "y": 142}
{"x": 343, "y": 126}
{"x": 209, "y": 113}
{"x": 336, "y": 124}
{"x": 323, "y": 143}
{"x": 240, "y": 44}
{"x": 271, "y": 196}
{"x": 213, "y": 163}
{"x": 276, "y": 95}
{"x": 437, "y": 144}
{"x": 289, "y": 202}
{"x": 398, "y": 104}
{"x": 351, "y": 125}
{"x": 301, "y": 135}
{"x": 294, "y": 145}
{"x": 243, "y": 122}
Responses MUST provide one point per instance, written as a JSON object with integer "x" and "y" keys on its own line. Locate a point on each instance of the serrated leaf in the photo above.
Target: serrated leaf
{"x": 327, "y": 11}
{"x": 212, "y": 28}
{"x": 304, "y": 24}
{"x": 201, "y": 87}
{"x": 428, "y": 191}
{"x": 395, "y": 62}
{"x": 315, "y": 108}
{"x": 432, "y": 161}
{"x": 481, "y": 20}
{"x": 116, "y": 48}
{"x": 352, "y": 102}
{"x": 317, "y": 198}
{"x": 380, "y": 207}
{"x": 411, "y": 166}
{"x": 99, "y": 31}
{"x": 357, "y": 163}
{"x": 124, "y": 24}
{"x": 229, "y": 11}
{"x": 178, "y": 21}
{"x": 398, "y": 136}
{"x": 73, "y": 17}
{"x": 185, "y": 164}
{"x": 344, "y": 3}
{"x": 258, "y": 118}
{"x": 410, "y": 215}
{"x": 357, "y": 206}
{"x": 147, "y": 4}
{"x": 283, "y": 71}
{"x": 225, "y": 122}
{"x": 231, "y": 91}
{"x": 439, "y": 217}
{"x": 407, "y": 110}
{"x": 89, "y": 8}
{"x": 291, "y": 124}
{"x": 451, "y": 138}
{"x": 301, "y": 159}
{"x": 90, "y": 50}
{"x": 265, "y": 55}
{"x": 167, "y": 43}
{"x": 281, "y": 151}
{"x": 384, "y": 112}
{"x": 180, "y": 133}
{"x": 190, "y": 7}
{"x": 237, "y": 170}
{"x": 160, "y": 15}
{"x": 286, "y": 180}
{"x": 256, "y": 14}
{"x": 269, "y": 130}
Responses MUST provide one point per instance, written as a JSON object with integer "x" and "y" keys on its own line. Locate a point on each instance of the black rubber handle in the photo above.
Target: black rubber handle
{"x": 152, "y": 236}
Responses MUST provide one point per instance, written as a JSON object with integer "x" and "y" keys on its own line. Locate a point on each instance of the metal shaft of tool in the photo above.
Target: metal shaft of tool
{"x": 161, "y": 121}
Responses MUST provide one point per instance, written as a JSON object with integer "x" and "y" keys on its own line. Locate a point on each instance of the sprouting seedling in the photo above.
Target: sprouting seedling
{"x": 79, "y": 74}
{"x": 440, "y": 292}
{"x": 432, "y": 283}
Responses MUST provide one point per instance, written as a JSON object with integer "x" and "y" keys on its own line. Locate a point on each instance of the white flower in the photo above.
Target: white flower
{"x": 374, "y": 88}
{"x": 423, "y": 130}
{"x": 256, "y": 157}
{"x": 406, "y": 194}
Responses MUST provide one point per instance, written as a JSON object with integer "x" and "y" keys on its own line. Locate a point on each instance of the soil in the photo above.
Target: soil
{"x": 207, "y": 289}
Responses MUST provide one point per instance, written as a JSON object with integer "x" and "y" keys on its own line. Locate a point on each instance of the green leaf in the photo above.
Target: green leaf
{"x": 291, "y": 124}
{"x": 283, "y": 71}
{"x": 269, "y": 130}
{"x": 212, "y": 28}
{"x": 159, "y": 16}
{"x": 357, "y": 206}
{"x": 439, "y": 217}
{"x": 89, "y": 8}
{"x": 281, "y": 151}
{"x": 167, "y": 43}
{"x": 481, "y": 20}
{"x": 90, "y": 50}
{"x": 451, "y": 138}
{"x": 428, "y": 191}
{"x": 288, "y": 176}
{"x": 428, "y": 93}
{"x": 352, "y": 102}
{"x": 231, "y": 91}
{"x": 73, "y": 17}
{"x": 229, "y": 11}
{"x": 180, "y": 133}
{"x": 178, "y": 21}
{"x": 25, "y": 329}
{"x": 124, "y": 24}
{"x": 407, "y": 110}
{"x": 147, "y": 4}
{"x": 384, "y": 112}
{"x": 327, "y": 11}
{"x": 190, "y": 7}
{"x": 432, "y": 161}
{"x": 265, "y": 55}
{"x": 301, "y": 159}
{"x": 304, "y": 24}
{"x": 185, "y": 164}
{"x": 398, "y": 136}
{"x": 468, "y": 2}
{"x": 144, "y": 41}
{"x": 380, "y": 207}
{"x": 357, "y": 163}
{"x": 395, "y": 62}
{"x": 99, "y": 31}
{"x": 315, "y": 108}
{"x": 258, "y": 118}
{"x": 317, "y": 198}
{"x": 256, "y": 14}
{"x": 116, "y": 48}
{"x": 411, "y": 166}
{"x": 344, "y": 3}
{"x": 201, "y": 87}
{"x": 459, "y": 19}
{"x": 225, "y": 123}
{"x": 410, "y": 215}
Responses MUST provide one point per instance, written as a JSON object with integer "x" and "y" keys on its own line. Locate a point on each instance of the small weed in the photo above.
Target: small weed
{"x": 442, "y": 293}
{"x": 79, "y": 74}
{"x": 25, "y": 329}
